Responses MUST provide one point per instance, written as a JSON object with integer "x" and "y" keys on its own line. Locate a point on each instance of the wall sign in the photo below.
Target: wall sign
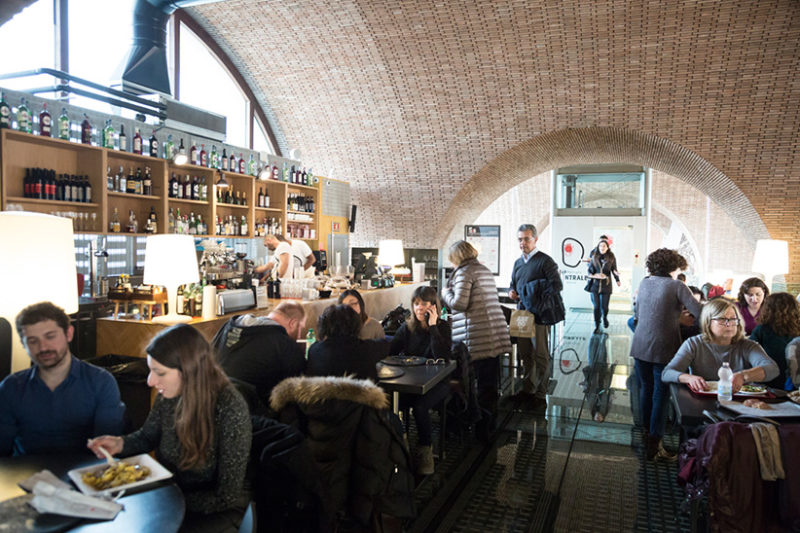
{"x": 486, "y": 239}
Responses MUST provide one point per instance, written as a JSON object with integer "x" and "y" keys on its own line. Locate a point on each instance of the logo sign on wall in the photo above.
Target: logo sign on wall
{"x": 572, "y": 252}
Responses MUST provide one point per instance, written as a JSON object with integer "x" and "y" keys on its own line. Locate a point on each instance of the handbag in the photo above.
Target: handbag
{"x": 522, "y": 324}
{"x": 588, "y": 287}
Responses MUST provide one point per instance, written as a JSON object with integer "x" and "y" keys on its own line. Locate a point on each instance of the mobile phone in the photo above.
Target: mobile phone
{"x": 427, "y": 316}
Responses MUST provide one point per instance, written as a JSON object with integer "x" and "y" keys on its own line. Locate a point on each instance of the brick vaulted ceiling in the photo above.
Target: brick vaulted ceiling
{"x": 419, "y": 103}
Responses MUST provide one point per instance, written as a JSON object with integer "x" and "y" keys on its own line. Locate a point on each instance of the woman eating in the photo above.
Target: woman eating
{"x": 370, "y": 328}
{"x": 722, "y": 340}
{"x": 199, "y": 428}
{"x": 424, "y": 335}
{"x": 779, "y": 324}
{"x": 479, "y": 322}
{"x": 602, "y": 266}
{"x": 751, "y": 295}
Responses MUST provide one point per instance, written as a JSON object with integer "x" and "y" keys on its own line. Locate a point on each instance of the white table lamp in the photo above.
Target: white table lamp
{"x": 771, "y": 259}
{"x": 390, "y": 252}
{"x": 38, "y": 265}
{"x": 170, "y": 260}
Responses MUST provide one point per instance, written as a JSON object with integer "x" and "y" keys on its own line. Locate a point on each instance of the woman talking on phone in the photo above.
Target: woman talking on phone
{"x": 424, "y": 335}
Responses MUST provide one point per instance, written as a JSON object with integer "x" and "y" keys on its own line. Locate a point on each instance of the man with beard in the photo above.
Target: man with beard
{"x": 282, "y": 257}
{"x": 60, "y": 402}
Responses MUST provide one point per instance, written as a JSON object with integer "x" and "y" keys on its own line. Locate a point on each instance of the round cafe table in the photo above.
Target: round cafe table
{"x": 158, "y": 507}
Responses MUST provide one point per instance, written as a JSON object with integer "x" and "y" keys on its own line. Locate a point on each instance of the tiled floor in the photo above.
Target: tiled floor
{"x": 559, "y": 469}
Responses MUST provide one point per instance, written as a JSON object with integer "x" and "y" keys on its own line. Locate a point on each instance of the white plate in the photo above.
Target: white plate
{"x": 712, "y": 390}
{"x": 157, "y": 473}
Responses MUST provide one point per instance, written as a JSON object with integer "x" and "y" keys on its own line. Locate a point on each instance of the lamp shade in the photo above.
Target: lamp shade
{"x": 390, "y": 252}
{"x": 170, "y": 260}
{"x": 38, "y": 265}
{"x": 771, "y": 258}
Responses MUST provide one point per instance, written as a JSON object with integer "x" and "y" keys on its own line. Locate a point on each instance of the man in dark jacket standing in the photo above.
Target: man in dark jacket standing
{"x": 534, "y": 353}
{"x": 262, "y": 351}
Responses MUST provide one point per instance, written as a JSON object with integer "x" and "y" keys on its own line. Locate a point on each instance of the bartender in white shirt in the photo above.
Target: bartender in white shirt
{"x": 302, "y": 253}
{"x": 282, "y": 257}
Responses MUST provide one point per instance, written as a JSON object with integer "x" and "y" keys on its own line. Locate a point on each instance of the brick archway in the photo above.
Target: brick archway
{"x": 597, "y": 145}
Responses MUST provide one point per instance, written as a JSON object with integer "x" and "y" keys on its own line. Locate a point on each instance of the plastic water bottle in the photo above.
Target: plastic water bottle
{"x": 311, "y": 338}
{"x": 725, "y": 385}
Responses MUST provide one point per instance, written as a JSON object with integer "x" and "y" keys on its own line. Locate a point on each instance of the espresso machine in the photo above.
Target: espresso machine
{"x": 225, "y": 267}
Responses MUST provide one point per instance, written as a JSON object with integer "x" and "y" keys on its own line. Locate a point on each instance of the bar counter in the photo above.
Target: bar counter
{"x": 131, "y": 337}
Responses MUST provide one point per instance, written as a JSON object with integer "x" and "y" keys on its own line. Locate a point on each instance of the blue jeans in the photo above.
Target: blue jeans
{"x": 653, "y": 396}
{"x": 600, "y": 303}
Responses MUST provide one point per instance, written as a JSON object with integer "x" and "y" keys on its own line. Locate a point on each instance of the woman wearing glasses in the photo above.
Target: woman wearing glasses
{"x": 722, "y": 339}
{"x": 657, "y": 311}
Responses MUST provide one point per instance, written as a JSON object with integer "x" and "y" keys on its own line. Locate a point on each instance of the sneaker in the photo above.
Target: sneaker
{"x": 425, "y": 464}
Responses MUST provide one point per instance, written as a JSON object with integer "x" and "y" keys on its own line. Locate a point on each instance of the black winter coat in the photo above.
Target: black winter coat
{"x": 356, "y": 442}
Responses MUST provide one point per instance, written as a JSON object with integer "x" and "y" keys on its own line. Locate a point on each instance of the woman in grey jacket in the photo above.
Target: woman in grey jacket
{"x": 478, "y": 321}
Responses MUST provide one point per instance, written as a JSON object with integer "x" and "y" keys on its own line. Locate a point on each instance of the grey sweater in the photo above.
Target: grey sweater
{"x": 217, "y": 486}
{"x": 478, "y": 320}
{"x": 657, "y": 311}
{"x": 705, "y": 359}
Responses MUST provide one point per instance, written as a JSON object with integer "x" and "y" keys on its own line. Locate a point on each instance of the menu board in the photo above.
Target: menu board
{"x": 485, "y": 239}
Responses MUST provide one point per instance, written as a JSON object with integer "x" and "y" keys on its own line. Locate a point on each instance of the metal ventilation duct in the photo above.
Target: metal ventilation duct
{"x": 146, "y": 71}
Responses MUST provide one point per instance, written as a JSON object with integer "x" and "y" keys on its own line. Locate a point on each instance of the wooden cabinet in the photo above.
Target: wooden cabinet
{"x": 19, "y": 151}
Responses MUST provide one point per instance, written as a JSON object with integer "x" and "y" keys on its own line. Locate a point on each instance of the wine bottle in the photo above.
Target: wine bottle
{"x": 137, "y": 142}
{"x": 63, "y": 125}
{"x": 173, "y": 186}
{"x": 123, "y": 139}
{"x": 224, "y": 161}
{"x": 203, "y": 189}
{"x": 194, "y": 156}
{"x": 260, "y": 199}
{"x": 87, "y": 190}
{"x": 23, "y": 117}
{"x": 242, "y": 163}
{"x": 153, "y": 146}
{"x": 187, "y": 188}
{"x": 5, "y": 112}
{"x": 266, "y": 198}
{"x": 148, "y": 182}
{"x": 45, "y": 122}
{"x": 86, "y": 130}
{"x": 195, "y": 188}
{"x": 203, "y": 156}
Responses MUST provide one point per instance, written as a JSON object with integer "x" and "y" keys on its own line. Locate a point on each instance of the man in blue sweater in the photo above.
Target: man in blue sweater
{"x": 533, "y": 265}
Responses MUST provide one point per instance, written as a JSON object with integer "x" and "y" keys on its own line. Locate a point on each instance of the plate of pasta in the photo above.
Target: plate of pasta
{"x": 125, "y": 474}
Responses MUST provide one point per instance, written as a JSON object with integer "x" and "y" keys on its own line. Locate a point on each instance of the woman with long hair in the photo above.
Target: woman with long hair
{"x": 602, "y": 266}
{"x": 479, "y": 322}
{"x": 657, "y": 311}
{"x": 722, "y": 340}
{"x": 779, "y": 324}
{"x": 751, "y": 296}
{"x": 199, "y": 428}
{"x": 424, "y": 335}
{"x": 370, "y": 328}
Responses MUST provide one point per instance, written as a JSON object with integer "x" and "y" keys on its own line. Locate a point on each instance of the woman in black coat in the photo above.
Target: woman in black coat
{"x": 602, "y": 266}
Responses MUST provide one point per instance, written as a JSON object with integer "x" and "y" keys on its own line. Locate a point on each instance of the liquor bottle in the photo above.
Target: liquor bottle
{"x": 266, "y": 198}
{"x": 87, "y": 190}
{"x": 224, "y": 161}
{"x": 148, "y": 226}
{"x": 193, "y": 155}
{"x": 233, "y": 164}
{"x": 187, "y": 188}
{"x": 147, "y": 186}
{"x": 242, "y": 163}
{"x": 213, "y": 160}
{"x": 152, "y": 145}
{"x": 310, "y": 178}
{"x": 260, "y": 199}
{"x": 173, "y": 186}
{"x": 292, "y": 175}
{"x": 66, "y": 188}
{"x": 243, "y": 227}
{"x": 131, "y": 182}
{"x": 203, "y": 189}
{"x": 275, "y": 171}
{"x": 133, "y": 224}
{"x": 123, "y": 139}
{"x": 244, "y": 198}
{"x": 114, "y": 224}
{"x": 171, "y": 221}
{"x": 251, "y": 166}
{"x": 304, "y": 177}
{"x": 139, "y": 181}
{"x": 202, "y": 229}
{"x": 203, "y": 156}
{"x": 86, "y": 130}
{"x": 23, "y": 117}
{"x": 169, "y": 148}
{"x": 5, "y": 113}
{"x": 178, "y": 225}
{"x": 195, "y": 188}
{"x": 108, "y": 135}
{"x": 45, "y": 122}
{"x": 192, "y": 224}
{"x": 285, "y": 172}
{"x": 77, "y": 192}
{"x": 123, "y": 180}
{"x": 137, "y": 142}
{"x": 63, "y": 125}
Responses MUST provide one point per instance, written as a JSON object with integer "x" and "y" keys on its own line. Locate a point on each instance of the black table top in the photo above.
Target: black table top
{"x": 418, "y": 379}
{"x": 158, "y": 509}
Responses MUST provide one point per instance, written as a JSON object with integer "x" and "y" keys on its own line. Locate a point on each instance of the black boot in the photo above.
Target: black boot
{"x": 605, "y": 322}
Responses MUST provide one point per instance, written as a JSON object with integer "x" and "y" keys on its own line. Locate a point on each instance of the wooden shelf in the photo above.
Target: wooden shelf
{"x": 233, "y": 206}
{"x": 302, "y": 187}
{"x": 133, "y": 196}
{"x": 185, "y": 201}
{"x": 290, "y": 212}
{"x": 274, "y": 209}
{"x": 22, "y": 199}
{"x": 49, "y": 141}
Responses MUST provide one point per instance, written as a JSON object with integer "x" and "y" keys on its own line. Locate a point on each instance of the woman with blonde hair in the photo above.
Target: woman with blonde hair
{"x": 722, "y": 340}
{"x": 199, "y": 428}
{"x": 479, "y": 322}
{"x": 779, "y": 324}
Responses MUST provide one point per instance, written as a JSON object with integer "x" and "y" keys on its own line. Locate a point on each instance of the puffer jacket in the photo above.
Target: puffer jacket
{"x": 478, "y": 319}
{"x": 356, "y": 442}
